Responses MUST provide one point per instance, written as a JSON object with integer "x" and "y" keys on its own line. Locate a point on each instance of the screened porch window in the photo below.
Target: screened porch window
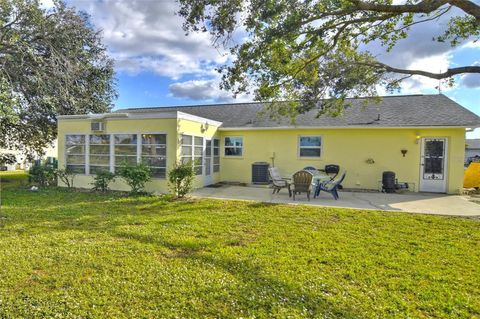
{"x": 216, "y": 155}
{"x": 192, "y": 151}
{"x": 99, "y": 153}
{"x": 75, "y": 153}
{"x": 154, "y": 153}
{"x": 125, "y": 149}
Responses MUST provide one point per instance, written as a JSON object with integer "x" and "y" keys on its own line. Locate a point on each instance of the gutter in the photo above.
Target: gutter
{"x": 336, "y": 127}
{"x": 92, "y": 116}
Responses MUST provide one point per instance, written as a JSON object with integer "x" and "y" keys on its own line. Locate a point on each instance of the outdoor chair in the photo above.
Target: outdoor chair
{"x": 330, "y": 187}
{"x": 302, "y": 183}
{"x": 278, "y": 181}
{"x": 309, "y": 168}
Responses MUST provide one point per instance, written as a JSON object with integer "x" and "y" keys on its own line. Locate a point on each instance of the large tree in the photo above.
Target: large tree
{"x": 309, "y": 50}
{"x": 52, "y": 62}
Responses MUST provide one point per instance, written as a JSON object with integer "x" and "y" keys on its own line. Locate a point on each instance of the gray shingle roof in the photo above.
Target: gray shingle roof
{"x": 392, "y": 111}
{"x": 473, "y": 144}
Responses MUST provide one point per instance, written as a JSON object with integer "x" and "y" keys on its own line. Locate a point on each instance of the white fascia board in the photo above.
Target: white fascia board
{"x": 199, "y": 119}
{"x": 120, "y": 116}
{"x": 151, "y": 115}
{"x": 100, "y": 116}
{"x": 332, "y": 128}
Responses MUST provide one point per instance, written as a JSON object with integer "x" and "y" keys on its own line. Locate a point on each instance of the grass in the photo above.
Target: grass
{"x": 87, "y": 255}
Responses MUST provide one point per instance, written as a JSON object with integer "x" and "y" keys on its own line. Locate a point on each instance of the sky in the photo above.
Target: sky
{"x": 158, "y": 65}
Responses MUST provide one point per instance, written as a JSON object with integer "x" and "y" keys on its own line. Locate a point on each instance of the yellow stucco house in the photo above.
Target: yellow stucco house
{"x": 419, "y": 137}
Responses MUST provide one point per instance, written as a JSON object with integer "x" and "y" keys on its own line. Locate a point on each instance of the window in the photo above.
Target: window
{"x": 310, "y": 146}
{"x": 125, "y": 149}
{"x": 197, "y": 154}
{"x": 151, "y": 149}
{"x": 192, "y": 151}
{"x": 233, "y": 146}
{"x": 216, "y": 155}
{"x": 99, "y": 153}
{"x": 75, "y": 153}
{"x": 154, "y": 152}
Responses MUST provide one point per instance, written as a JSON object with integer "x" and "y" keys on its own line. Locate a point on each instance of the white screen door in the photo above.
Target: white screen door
{"x": 433, "y": 168}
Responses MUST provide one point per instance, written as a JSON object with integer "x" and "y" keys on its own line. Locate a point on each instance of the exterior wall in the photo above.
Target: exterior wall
{"x": 173, "y": 127}
{"x": 167, "y": 126}
{"x": 349, "y": 148}
{"x": 195, "y": 128}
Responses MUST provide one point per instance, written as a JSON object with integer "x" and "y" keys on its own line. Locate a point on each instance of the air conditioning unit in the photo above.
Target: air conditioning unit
{"x": 97, "y": 126}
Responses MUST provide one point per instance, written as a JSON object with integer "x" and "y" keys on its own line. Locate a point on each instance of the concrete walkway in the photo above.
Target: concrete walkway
{"x": 452, "y": 205}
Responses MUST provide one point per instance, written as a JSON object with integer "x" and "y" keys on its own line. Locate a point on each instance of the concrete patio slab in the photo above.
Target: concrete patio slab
{"x": 438, "y": 204}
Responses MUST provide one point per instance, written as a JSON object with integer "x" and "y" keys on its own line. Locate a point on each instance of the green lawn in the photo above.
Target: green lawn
{"x": 87, "y": 255}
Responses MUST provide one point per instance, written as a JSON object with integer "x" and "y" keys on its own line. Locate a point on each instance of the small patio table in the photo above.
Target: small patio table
{"x": 319, "y": 177}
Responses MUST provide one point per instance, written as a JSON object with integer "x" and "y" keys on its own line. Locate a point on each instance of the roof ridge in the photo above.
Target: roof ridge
{"x": 261, "y": 102}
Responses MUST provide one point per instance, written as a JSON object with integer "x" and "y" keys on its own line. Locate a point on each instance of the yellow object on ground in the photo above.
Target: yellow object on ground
{"x": 472, "y": 176}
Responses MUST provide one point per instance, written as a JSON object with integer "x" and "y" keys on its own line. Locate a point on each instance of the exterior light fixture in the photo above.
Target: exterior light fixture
{"x": 204, "y": 127}
{"x": 417, "y": 137}
{"x": 404, "y": 152}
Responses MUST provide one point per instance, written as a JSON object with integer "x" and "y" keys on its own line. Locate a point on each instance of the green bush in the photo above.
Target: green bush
{"x": 66, "y": 176}
{"x": 181, "y": 178}
{"x": 102, "y": 179}
{"x": 136, "y": 175}
{"x": 42, "y": 175}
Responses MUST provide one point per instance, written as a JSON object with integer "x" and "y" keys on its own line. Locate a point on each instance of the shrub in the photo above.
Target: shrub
{"x": 101, "y": 181}
{"x": 66, "y": 176}
{"x": 181, "y": 178}
{"x": 42, "y": 175}
{"x": 136, "y": 175}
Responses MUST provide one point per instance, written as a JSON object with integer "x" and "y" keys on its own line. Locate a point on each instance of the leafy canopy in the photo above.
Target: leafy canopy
{"x": 52, "y": 62}
{"x": 305, "y": 51}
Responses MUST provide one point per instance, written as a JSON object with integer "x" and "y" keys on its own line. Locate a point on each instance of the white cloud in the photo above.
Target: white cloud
{"x": 203, "y": 90}
{"x": 472, "y": 45}
{"x": 471, "y": 80}
{"x": 419, "y": 51}
{"x": 437, "y": 63}
{"x": 148, "y": 36}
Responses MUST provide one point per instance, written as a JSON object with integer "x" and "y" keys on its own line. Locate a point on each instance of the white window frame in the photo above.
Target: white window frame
{"x": 86, "y": 151}
{"x": 87, "y": 146}
{"x": 299, "y": 147}
{"x": 216, "y": 156}
{"x": 140, "y": 155}
{"x": 112, "y": 140}
{"x": 112, "y": 149}
{"x": 240, "y": 147}
{"x": 192, "y": 155}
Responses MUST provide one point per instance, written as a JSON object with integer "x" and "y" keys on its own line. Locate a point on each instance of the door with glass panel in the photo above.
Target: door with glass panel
{"x": 433, "y": 168}
{"x": 208, "y": 162}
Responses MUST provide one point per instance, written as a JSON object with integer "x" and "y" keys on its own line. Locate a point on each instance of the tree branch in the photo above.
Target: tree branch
{"x": 468, "y": 7}
{"x": 425, "y": 6}
{"x": 447, "y": 74}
